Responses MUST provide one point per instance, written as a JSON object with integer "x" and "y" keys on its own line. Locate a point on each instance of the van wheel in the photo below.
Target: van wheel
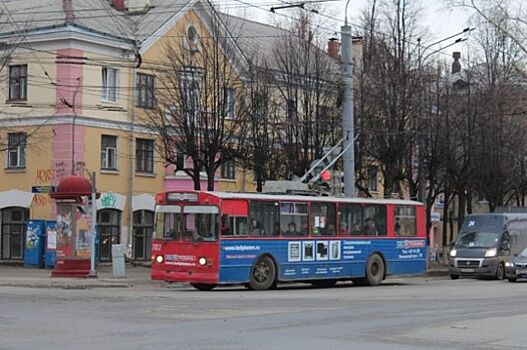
{"x": 374, "y": 270}
{"x": 263, "y": 275}
{"x": 500, "y": 272}
{"x": 203, "y": 286}
{"x": 454, "y": 277}
{"x": 513, "y": 279}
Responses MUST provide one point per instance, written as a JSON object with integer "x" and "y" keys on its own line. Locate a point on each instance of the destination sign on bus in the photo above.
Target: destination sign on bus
{"x": 182, "y": 197}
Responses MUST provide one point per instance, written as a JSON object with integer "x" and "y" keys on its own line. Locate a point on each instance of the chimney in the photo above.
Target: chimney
{"x": 456, "y": 65}
{"x": 118, "y": 5}
{"x": 67, "y": 7}
{"x": 333, "y": 48}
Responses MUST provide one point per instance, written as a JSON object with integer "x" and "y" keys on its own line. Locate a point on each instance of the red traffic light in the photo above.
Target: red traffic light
{"x": 325, "y": 175}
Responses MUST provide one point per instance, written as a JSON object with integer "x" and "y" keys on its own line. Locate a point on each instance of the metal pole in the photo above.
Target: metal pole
{"x": 347, "y": 112}
{"x": 93, "y": 271}
{"x": 420, "y": 146}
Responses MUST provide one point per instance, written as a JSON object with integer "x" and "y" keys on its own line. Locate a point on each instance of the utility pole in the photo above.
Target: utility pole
{"x": 93, "y": 271}
{"x": 347, "y": 108}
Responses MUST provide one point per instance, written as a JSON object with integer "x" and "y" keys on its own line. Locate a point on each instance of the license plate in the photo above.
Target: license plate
{"x": 467, "y": 270}
{"x": 521, "y": 272}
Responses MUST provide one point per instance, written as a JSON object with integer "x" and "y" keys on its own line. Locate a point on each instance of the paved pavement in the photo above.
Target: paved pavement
{"x": 136, "y": 276}
{"x": 18, "y": 276}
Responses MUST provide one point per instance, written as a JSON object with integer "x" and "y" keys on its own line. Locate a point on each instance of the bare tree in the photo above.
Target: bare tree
{"x": 500, "y": 94}
{"x": 305, "y": 80}
{"x": 387, "y": 93}
{"x": 197, "y": 112}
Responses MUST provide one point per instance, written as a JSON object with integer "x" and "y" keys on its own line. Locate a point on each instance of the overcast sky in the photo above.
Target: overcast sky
{"x": 441, "y": 21}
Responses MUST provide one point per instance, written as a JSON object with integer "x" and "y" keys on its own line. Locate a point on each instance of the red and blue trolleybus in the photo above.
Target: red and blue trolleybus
{"x": 219, "y": 238}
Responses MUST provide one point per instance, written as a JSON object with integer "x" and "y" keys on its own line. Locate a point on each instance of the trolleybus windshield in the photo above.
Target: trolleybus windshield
{"x": 196, "y": 223}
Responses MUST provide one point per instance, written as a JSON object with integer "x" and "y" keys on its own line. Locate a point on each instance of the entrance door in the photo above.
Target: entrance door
{"x": 109, "y": 222}
{"x": 13, "y": 230}
{"x": 142, "y": 234}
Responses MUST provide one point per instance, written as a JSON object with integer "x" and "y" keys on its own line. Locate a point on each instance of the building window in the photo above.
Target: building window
{"x": 190, "y": 95}
{"x": 16, "y": 150}
{"x": 18, "y": 82}
{"x": 109, "y": 152}
{"x": 180, "y": 161}
{"x": 228, "y": 170}
{"x": 13, "y": 229}
{"x": 372, "y": 178}
{"x": 291, "y": 109}
{"x": 144, "y": 153}
{"x": 260, "y": 106}
{"x": 109, "y": 84}
{"x": 230, "y": 103}
{"x": 145, "y": 90}
{"x": 142, "y": 234}
{"x": 109, "y": 223}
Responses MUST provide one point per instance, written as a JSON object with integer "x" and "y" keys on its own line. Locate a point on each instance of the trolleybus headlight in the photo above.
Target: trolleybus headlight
{"x": 509, "y": 264}
{"x": 202, "y": 261}
{"x": 491, "y": 252}
{"x": 160, "y": 259}
{"x": 453, "y": 252}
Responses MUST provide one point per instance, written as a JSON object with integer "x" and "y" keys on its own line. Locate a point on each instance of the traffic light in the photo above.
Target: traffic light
{"x": 325, "y": 176}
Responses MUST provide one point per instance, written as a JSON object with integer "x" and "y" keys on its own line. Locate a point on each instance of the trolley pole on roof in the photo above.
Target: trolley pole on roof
{"x": 347, "y": 108}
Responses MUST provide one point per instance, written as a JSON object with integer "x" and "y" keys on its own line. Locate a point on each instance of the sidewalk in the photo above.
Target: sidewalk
{"x": 18, "y": 276}
{"x": 136, "y": 276}
{"x": 437, "y": 269}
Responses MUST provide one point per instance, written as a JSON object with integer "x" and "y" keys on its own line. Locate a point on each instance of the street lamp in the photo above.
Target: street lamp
{"x": 421, "y": 179}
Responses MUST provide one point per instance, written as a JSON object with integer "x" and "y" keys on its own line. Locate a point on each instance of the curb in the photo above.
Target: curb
{"x": 62, "y": 285}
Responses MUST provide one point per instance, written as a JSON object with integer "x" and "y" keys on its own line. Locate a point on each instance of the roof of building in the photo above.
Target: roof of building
{"x": 100, "y": 17}
{"x": 93, "y": 15}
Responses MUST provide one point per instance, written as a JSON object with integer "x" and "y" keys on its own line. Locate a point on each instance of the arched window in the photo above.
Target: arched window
{"x": 14, "y": 221}
{"x": 142, "y": 234}
{"x": 109, "y": 224}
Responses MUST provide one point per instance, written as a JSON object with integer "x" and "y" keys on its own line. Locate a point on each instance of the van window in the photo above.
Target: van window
{"x": 477, "y": 239}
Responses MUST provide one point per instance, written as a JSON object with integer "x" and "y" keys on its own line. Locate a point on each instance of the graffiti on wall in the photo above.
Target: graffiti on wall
{"x": 52, "y": 176}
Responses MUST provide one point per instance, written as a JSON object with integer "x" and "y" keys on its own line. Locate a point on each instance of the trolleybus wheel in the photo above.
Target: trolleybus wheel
{"x": 323, "y": 283}
{"x": 500, "y": 272}
{"x": 263, "y": 275}
{"x": 203, "y": 286}
{"x": 374, "y": 270}
{"x": 454, "y": 277}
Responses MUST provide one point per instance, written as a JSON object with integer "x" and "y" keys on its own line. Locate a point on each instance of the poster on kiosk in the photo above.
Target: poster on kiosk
{"x": 73, "y": 248}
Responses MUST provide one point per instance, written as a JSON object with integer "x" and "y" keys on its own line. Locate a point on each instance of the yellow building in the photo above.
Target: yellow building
{"x": 79, "y": 79}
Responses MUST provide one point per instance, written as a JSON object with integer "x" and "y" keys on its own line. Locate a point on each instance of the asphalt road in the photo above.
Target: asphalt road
{"x": 412, "y": 313}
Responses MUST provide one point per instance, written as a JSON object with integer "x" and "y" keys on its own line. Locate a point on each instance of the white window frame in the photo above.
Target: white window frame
{"x": 18, "y": 150}
{"x": 230, "y": 103}
{"x": 228, "y": 170}
{"x": 105, "y": 150}
{"x": 110, "y": 84}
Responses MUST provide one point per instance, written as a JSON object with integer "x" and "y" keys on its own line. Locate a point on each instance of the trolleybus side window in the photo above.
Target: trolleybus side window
{"x": 293, "y": 219}
{"x": 350, "y": 219}
{"x": 323, "y": 219}
{"x": 233, "y": 225}
{"x": 374, "y": 220}
{"x": 263, "y": 218}
{"x": 404, "y": 223}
